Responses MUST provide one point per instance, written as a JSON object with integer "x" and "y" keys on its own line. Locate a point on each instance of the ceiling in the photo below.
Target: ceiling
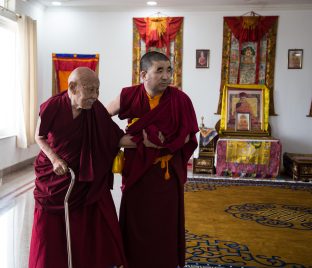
{"x": 179, "y": 3}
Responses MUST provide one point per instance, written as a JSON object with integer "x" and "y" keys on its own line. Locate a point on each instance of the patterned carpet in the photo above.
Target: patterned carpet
{"x": 248, "y": 223}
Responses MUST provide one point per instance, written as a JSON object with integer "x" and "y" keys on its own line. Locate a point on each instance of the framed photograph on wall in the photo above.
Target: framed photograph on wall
{"x": 295, "y": 57}
{"x": 242, "y": 122}
{"x": 202, "y": 58}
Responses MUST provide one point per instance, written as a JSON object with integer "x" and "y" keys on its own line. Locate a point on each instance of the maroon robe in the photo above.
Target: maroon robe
{"x": 88, "y": 144}
{"x": 152, "y": 208}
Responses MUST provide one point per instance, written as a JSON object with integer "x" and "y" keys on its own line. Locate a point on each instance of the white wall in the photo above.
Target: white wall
{"x": 109, "y": 33}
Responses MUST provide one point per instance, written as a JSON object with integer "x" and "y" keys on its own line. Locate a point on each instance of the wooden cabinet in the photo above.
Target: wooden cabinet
{"x": 204, "y": 164}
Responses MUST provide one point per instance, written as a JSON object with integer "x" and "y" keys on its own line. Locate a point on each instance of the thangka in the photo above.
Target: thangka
{"x": 64, "y": 64}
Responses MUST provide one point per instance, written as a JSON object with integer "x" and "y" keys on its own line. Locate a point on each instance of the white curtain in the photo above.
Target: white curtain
{"x": 27, "y": 81}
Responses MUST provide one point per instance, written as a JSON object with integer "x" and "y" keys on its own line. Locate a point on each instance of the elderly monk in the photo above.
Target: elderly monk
{"x": 152, "y": 205}
{"x": 75, "y": 130}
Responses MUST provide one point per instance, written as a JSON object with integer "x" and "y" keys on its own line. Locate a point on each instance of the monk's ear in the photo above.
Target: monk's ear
{"x": 143, "y": 75}
{"x": 72, "y": 87}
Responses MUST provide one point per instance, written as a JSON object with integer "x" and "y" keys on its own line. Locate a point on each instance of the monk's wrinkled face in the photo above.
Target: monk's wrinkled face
{"x": 86, "y": 93}
{"x": 158, "y": 77}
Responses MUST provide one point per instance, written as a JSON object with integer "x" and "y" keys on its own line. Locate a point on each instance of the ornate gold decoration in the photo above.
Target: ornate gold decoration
{"x": 136, "y": 55}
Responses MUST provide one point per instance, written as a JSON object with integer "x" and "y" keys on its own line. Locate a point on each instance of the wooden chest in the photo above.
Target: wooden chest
{"x": 298, "y": 166}
{"x": 204, "y": 165}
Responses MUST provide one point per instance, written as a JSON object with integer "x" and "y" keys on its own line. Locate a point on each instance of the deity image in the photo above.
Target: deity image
{"x": 248, "y": 55}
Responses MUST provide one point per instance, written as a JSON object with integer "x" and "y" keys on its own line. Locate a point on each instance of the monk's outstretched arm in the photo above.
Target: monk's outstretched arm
{"x": 59, "y": 165}
{"x": 126, "y": 142}
{"x": 114, "y": 106}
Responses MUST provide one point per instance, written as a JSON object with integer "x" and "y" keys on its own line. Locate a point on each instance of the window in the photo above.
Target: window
{"x": 8, "y": 91}
{"x": 8, "y": 4}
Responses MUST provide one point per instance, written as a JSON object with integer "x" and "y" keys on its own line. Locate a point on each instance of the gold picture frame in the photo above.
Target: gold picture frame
{"x": 250, "y": 102}
{"x": 295, "y": 57}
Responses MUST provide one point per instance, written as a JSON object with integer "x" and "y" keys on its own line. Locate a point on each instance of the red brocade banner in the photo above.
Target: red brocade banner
{"x": 158, "y": 32}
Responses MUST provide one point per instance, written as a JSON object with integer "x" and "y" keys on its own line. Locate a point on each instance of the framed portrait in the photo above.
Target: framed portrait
{"x": 245, "y": 110}
{"x": 202, "y": 58}
{"x": 242, "y": 122}
{"x": 295, "y": 57}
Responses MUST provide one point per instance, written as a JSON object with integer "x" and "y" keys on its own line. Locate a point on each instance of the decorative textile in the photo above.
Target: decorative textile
{"x": 163, "y": 34}
{"x": 253, "y": 152}
{"x": 207, "y": 135}
{"x": 64, "y": 64}
{"x": 249, "y": 52}
{"x": 248, "y": 157}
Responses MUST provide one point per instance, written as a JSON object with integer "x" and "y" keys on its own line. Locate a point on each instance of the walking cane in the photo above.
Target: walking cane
{"x": 69, "y": 253}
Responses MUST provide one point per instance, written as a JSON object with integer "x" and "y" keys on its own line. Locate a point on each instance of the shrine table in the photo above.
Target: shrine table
{"x": 257, "y": 157}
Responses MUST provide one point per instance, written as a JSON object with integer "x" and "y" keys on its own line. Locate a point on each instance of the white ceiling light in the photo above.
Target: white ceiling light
{"x": 56, "y": 3}
{"x": 151, "y": 3}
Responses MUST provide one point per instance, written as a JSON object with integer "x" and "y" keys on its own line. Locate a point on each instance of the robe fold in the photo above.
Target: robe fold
{"x": 152, "y": 208}
{"x": 88, "y": 144}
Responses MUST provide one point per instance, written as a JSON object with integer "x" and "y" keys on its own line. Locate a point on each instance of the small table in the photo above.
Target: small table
{"x": 257, "y": 157}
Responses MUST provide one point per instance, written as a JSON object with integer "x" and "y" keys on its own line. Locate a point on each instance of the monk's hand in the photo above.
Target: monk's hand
{"x": 147, "y": 142}
{"x": 187, "y": 139}
{"x": 161, "y": 137}
{"x": 59, "y": 166}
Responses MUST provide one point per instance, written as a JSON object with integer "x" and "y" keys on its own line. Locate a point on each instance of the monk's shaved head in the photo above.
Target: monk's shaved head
{"x": 83, "y": 76}
{"x": 150, "y": 57}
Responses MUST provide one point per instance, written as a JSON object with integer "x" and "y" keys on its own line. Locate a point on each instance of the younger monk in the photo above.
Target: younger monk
{"x": 75, "y": 130}
{"x": 152, "y": 205}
